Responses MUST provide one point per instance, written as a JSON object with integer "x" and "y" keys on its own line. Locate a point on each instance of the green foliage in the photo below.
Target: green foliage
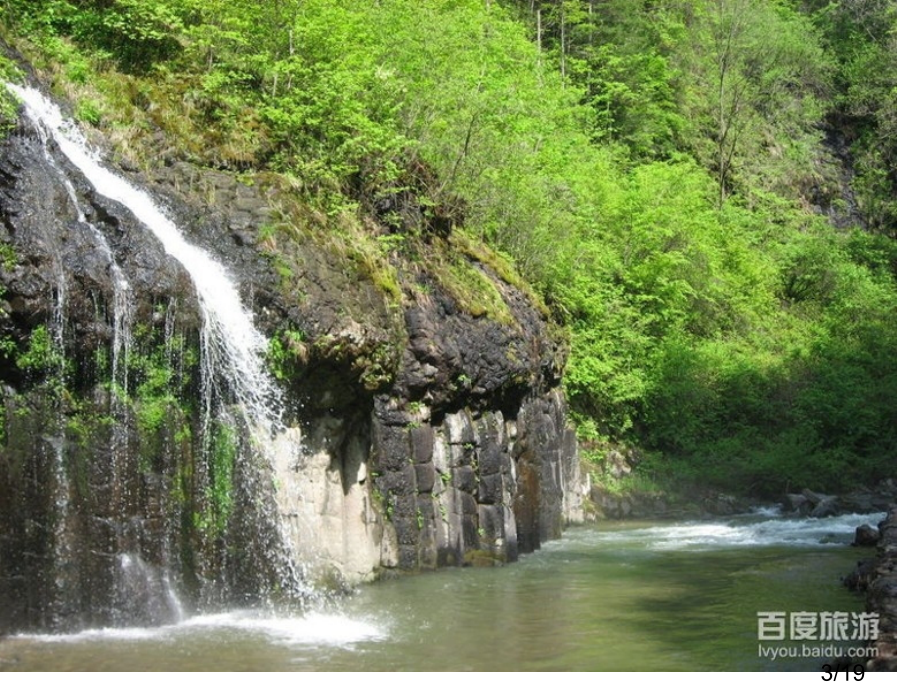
{"x": 136, "y": 33}
{"x": 8, "y": 111}
{"x": 648, "y": 166}
{"x": 89, "y": 111}
{"x": 285, "y": 351}
{"x": 154, "y": 395}
{"x": 473, "y": 290}
{"x": 813, "y": 405}
{"x": 42, "y": 356}
{"x": 159, "y": 379}
{"x": 753, "y": 87}
{"x": 637, "y": 483}
{"x": 223, "y": 447}
{"x": 862, "y": 36}
{"x": 8, "y": 346}
{"x": 8, "y": 258}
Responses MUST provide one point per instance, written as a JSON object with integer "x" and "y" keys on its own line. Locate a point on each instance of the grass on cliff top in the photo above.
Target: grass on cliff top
{"x": 128, "y": 110}
{"x": 8, "y": 106}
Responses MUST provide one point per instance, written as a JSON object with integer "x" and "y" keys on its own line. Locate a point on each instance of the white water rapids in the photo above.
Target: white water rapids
{"x": 761, "y": 529}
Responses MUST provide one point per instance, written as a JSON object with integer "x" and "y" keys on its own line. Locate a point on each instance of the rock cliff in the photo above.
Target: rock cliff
{"x": 429, "y": 431}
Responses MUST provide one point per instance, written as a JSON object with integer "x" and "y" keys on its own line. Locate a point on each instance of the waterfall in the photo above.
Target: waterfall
{"x": 233, "y": 347}
{"x": 122, "y": 300}
{"x": 61, "y": 486}
{"x": 236, "y": 387}
{"x": 122, "y": 314}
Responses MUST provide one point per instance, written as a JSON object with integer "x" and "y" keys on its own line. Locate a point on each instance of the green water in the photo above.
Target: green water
{"x": 616, "y": 597}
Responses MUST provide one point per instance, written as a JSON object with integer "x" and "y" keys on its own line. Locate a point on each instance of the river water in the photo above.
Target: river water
{"x": 613, "y": 596}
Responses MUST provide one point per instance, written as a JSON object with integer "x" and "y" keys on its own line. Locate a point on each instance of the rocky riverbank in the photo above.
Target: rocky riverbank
{"x": 807, "y": 503}
{"x": 644, "y": 505}
{"x": 701, "y": 502}
{"x": 878, "y": 578}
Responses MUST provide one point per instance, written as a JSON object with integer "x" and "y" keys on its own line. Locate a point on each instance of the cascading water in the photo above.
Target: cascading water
{"x": 141, "y": 592}
{"x": 236, "y": 389}
{"x": 234, "y": 347}
{"x": 121, "y": 301}
{"x": 61, "y": 491}
{"x": 121, "y": 313}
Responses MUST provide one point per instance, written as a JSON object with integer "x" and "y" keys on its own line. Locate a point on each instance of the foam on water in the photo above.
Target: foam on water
{"x": 313, "y": 629}
{"x": 750, "y": 530}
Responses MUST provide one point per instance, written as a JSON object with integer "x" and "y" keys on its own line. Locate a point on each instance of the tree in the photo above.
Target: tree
{"x": 754, "y": 84}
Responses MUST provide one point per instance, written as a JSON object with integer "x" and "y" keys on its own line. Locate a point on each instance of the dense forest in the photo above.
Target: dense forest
{"x": 701, "y": 193}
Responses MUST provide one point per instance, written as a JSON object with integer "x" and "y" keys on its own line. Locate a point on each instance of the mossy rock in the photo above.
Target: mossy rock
{"x": 479, "y": 558}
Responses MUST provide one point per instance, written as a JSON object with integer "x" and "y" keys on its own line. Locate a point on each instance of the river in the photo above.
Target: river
{"x": 613, "y": 596}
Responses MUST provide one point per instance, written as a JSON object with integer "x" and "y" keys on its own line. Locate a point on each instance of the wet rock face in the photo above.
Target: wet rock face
{"x": 452, "y": 356}
{"x": 83, "y": 479}
{"x": 866, "y": 535}
{"x": 473, "y": 459}
{"x": 427, "y": 436}
{"x": 53, "y": 248}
